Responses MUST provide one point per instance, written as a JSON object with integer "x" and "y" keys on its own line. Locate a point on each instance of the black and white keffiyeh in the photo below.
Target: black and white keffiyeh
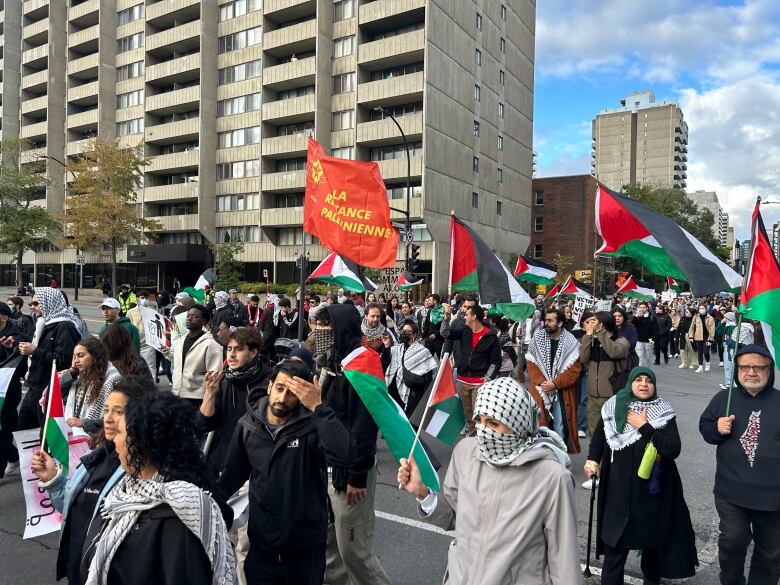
{"x": 194, "y": 507}
{"x": 54, "y": 307}
{"x": 506, "y": 401}
{"x": 566, "y": 355}
{"x": 372, "y": 333}
{"x": 659, "y": 413}
{"x": 416, "y": 358}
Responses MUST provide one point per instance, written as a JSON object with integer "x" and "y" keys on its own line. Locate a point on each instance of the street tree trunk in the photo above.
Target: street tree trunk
{"x": 19, "y": 268}
{"x": 113, "y": 267}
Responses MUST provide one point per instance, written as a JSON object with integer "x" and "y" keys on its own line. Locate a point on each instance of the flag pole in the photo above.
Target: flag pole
{"x": 452, "y": 253}
{"x": 436, "y": 381}
{"x": 48, "y": 404}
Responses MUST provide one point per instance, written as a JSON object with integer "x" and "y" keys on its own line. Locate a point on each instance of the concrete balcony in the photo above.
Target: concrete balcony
{"x": 396, "y": 168}
{"x": 32, "y": 155}
{"x": 282, "y": 10}
{"x": 180, "y": 131}
{"x": 290, "y": 75}
{"x": 179, "y": 100}
{"x": 390, "y": 11}
{"x": 181, "y": 69}
{"x": 286, "y": 182}
{"x": 383, "y": 132}
{"x": 85, "y": 67}
{"x": 177, "y": 223}
{"x": 37, "y": 31}
{"x": 36, "y": 57}
{"x": 291, "y": 253}
{"x": 170, "y": 10}
{"x": 285, "y": 146}
{"x": 34, "y": 130}
{"x": 75, "y": 147}
{"x": 36, "y": 105}
{"x": 415, "y": 207}
{"x": 35, "y": 7}
{"x": 36, "y": 81}
{"x": 83, "y": 94}
{"x": 179, "y": 191}
{"x": 291, "y": 39}
{"x": 185, "y": 33}
{"x": 83, "y": 121}
{"x": 403, "y": 89}
{"x": 85, "y": 14}
{"x": 289, "y": 111}
{"x": 84, "y": 38}
{"x": 282, "y": 216}
{"x": 391, "y": 52}
{"x": 178, "y": 161}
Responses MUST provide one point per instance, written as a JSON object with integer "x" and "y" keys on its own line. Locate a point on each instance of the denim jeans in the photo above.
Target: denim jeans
{"x": 728, "y": 363}
{"x": 582, "y": 410}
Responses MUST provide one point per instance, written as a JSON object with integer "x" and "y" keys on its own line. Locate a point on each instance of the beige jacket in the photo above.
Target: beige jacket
{"x": 696, "y": 332}
{"x": 204, "y": 355}
{"x": 513, "y": 525}
{"x": 136, "y": 319}
{"x": 617, "y": 350}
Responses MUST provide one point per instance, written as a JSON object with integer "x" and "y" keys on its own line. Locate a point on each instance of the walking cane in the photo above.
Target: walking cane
{"x": 586, "y": 572}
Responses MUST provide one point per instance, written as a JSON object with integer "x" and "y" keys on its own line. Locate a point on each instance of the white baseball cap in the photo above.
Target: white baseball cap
{"x": 110, "y": 303}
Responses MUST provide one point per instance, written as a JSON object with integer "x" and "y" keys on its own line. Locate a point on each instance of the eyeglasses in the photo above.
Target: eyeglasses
{"x": 756, "y": 369}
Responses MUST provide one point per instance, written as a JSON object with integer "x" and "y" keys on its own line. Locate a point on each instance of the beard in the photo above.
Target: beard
{"x": 281, "y": 410}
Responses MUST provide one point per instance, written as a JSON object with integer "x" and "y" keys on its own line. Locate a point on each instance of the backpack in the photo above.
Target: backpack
{"x": 619, "y": 377}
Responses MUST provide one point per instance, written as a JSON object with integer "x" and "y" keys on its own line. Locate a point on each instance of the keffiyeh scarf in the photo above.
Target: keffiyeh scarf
{"x": 566, "y": 355}
{"x": 416, "y": 358}
{"x": 220, "y": 299}
{"x": 372, "y": 333}
{"x": 659, "y": 413}
{"x": 194, "y": 507}
{"x": 506, "y": 401}
{"x": 54, "y": 308}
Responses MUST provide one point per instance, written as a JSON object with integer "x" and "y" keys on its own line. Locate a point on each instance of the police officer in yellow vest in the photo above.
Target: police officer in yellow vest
{"x": 127, "y": 299}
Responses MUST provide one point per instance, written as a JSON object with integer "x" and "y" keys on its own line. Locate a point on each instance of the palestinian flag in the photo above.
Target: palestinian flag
{"x": 534, "y": 271}
{"x": 446, "y": 420}
{"x": 475, "y": 268}
{"x": 636, "y": 289}
{"x": 341, "y": 272}
{"x": 7, "y": 369}
{"x": 761, "y": 290}
{"x": 407, "y": 280}
{"x": 55, "y": 429}
{"x": 629, "y": 228}
{"x": 574, "y": 288}
{"x": 554, "y": 291}
{"x": 671, "y": 284}
{"x": 363, "y": 369}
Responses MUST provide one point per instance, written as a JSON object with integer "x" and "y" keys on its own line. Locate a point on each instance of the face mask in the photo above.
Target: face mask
{"x": 405, "y": 337}
{"x": 144, "y": 302}
{"x": 323, "y": 340}
{"x": 702, "y": 311}
{"x": 497, "y": 449}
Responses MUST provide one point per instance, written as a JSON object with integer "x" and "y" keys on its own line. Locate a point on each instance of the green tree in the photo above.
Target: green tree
{"x": 23, "y": 225}
{"x": 103, "y": 210}
{"x": 563, "y": 262}
{"x": 229, "y": 270}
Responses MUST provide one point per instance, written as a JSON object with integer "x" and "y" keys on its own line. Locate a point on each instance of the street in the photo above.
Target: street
{"x": 411, "y": 552}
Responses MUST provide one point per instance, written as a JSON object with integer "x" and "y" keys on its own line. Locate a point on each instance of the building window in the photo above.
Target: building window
{"x": 399, "y": 191}
{"x": 240, "y": 72}
{"x": 500, "y": 143}
{"x": 388, "y": 34}
{"x": 299, "y": 128}
{"x": 476, "y": 128}
{"x": 238, "y": 202}
{"x": 343, "y": 152}
{"x": 129, "y": 99}
{"x": 135, "y": 126}
{"x": 296, "y": 92}
{"x": 238, "y": 170}
{"x": 343, "y": 120}
{"x": 501, "y": 76}
{"x": 397, "y": 111}
{"x": 290, "y": 165}
{"x": 479, "y": 21}
{"x": 395, "y": 151}
{"x": 239, "y": 105}
{"x": 477, "y": 93}
{"x": 539, "y": 198}
{"x": 478, "y": 57}
{"x": 343, "y": 83}
{"x": 503, "y": 12}
{"x": 242, "y": 233}
{"x": 344, "y": 46}
{"x": 475, "y": 199}
{"x": 343, "y": 9}
{"x": 499, "y": 175}
{"x": 129, "y": 43}
{"x": 475, "y": 164}
{"x": 500, "y": 110}
{"x": 238, "y": 8}
{"x": 130, "y": 71}
{"x": 538, "y": 224}
{"x": 502, "y": 44}
{"x": 537, "y": 251}
{"x": 407, "y": 69}
{"x": 239, "y": 137}
{"x": 499, "y": 207}
{"x": 239, "y": 40}
{"x": 129, "y": 14}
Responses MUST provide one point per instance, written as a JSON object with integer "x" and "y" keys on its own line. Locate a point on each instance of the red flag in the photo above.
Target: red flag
{"x": 446, "y": 387}
{"x": 346, "y": 207}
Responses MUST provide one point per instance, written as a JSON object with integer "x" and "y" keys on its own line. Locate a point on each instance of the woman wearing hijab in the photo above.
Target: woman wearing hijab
{"x": 641, "y": 504}
{"x": 410, "y": 367}
{"x": 510, "y": 487}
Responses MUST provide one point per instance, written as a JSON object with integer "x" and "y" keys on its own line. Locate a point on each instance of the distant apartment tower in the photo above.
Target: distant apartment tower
{"x": 641, "y": 142}
{"x": 222, "y": 94}
{"x": 709, "y": 200}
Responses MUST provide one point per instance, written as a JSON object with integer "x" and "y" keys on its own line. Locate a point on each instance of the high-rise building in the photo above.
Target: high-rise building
{"x": 222, "y": 96}
{"x": 709, "y": 200}
{"x": 641, "y": 142}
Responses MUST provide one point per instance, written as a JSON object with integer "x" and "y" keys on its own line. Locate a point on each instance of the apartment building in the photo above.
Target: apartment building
{"x": 223, "y": 94}
{"x": 709, "y": 200}
{"x": 641, "y": 142}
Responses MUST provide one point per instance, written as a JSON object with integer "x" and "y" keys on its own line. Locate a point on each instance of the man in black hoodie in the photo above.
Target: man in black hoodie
{"x": 350, "y": 556}
{"x": 283, "y": 444}
{"x": 10, "y": 336}
{"x": 747, "y": 476}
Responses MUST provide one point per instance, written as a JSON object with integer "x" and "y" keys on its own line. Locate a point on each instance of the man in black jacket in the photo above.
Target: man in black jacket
{"x": 350, "y": 556}
{"x": 10, "y": 336}
{"x": 282, "y": 445}
{"x": 661, "y": 326}
{"x": 643, "y": 323}
{"x": 747, "y": 475}
{"x": 22, "y": 321}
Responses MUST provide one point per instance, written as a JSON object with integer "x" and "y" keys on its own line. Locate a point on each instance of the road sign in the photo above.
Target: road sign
{"x": 265, "y": 273}
{"x": 410, "y": 237}
{"x": 81, "y": 260}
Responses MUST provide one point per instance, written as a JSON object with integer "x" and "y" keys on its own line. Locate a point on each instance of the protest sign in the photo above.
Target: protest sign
{"x": 605, "y": 305}
{"x": 42, "y": 518}
{"x": 668, "y": 295}
{"x": 154, "y": 327}
{"x": 580, "y": 304}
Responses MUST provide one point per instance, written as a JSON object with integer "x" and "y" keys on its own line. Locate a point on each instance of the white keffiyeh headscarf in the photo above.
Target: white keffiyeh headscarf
{"x": 416, "y": 358}
{"x": 194, "y": 507}
{"x": 659, "y": 413}
{"x": 506, "y": 401}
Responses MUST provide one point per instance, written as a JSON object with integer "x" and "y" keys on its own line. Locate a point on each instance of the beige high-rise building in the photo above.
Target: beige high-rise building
{"x": 223, "y": 94}
{"x": 709, "y": 200}
{"x": 641, "y": 142}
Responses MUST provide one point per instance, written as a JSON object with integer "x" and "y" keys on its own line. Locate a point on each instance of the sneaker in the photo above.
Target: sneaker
{"x": 699, "y": 370}
{"x": 706, "y": 367}
{"x": 11, "y": 468}
{"x": 676, "y": 356}
{"x": 692, "y": 366}
{"x": 581, "y": 434}
{"x": 720, "y": 365}
{"x": 683, "y": 366}
{"x": 588, "y": 484}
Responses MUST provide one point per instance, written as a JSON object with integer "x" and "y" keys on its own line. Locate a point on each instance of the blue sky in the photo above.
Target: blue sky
{"x": 720, "y": 60}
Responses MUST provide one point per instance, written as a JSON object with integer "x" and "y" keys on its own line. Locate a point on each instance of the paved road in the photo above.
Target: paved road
{"x": 412, "y": 553}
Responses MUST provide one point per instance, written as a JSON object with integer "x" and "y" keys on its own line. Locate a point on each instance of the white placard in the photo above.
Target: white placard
{"x": 154, "y": 327}
{"x": 668, "y": 295}
{"x": 604, "y": 305}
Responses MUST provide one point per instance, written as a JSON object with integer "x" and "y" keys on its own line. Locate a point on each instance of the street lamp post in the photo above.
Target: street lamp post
{"x": 408, "y": 211}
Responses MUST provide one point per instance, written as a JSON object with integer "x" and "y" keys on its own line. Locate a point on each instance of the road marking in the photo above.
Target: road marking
{"x": 626, "y": 578}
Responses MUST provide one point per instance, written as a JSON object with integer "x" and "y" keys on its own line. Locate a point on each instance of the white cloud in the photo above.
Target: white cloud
{"x": 565, "y": 165}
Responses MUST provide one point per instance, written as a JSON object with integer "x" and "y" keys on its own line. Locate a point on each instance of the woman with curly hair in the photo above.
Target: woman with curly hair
{"x": 161, "y": 525}
{"x": 93, "y": 380}
{"x": 122, "y": 355}
{"x": 78, "y": 499}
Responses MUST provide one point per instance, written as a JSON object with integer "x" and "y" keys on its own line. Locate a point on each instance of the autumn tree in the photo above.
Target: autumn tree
{"x": 102, "y": 210}
{"x": 563, "y": 263}
{"x": 229, "y": 272}
{"x": 23, "y": 225}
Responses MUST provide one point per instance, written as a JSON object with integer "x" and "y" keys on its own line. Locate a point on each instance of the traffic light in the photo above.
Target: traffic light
{"x": 414, "y": 258}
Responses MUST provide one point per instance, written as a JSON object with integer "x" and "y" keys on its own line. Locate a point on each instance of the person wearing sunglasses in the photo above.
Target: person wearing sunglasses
{"x": 746, "y": 430}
